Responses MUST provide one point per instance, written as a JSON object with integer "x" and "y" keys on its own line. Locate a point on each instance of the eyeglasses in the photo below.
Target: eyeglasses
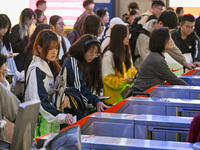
{"x": 61, "y": 24}
{"x": 159, "y": 8}
{"x": 189, "y": 27}
{"x": 93, "y": 54}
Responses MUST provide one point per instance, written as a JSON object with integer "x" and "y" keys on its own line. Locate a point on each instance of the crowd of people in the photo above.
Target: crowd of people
{"x": 97, "y": 59}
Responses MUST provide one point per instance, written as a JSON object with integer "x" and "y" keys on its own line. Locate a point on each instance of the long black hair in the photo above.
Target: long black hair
{"x": 91, "y": 71}
{"x": 121, "y": 52}
{"x": 161, "y": 35}
{"x": 92, "y": 25}
{"x": 4, "y": 22}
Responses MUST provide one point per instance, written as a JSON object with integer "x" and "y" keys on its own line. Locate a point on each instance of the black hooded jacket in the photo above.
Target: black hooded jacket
{"x": 190, "y": 45}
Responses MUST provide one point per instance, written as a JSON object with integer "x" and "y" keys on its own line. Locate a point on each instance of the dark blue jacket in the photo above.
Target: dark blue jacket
{"x": 75, "y": 79}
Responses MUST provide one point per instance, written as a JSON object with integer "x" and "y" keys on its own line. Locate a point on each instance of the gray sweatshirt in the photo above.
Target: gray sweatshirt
{"x": 8, "y": 107}
{"x": 154, "y": 70}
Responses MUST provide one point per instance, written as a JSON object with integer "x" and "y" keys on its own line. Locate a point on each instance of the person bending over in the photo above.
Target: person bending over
{"x": 83, "y": 66}
{"x": 40, "y": 82}
{"x": 154, "y": 69}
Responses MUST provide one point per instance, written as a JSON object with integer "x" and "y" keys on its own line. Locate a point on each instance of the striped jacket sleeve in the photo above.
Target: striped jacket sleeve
{"x": 75, "y": 79}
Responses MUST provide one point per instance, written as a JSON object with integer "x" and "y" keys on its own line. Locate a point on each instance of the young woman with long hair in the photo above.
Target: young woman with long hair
{"x": 117, "y": 67}
{"x": 40, "y": 82}
{"x": 84, "y": 69}
{"x": 5, "y": 47}
{"x": 20, "y": 36}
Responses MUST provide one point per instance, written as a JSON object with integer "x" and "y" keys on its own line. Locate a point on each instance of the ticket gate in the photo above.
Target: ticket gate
{"x": 182, "y": 107}
{"x": 89, "y": 142}
{"x": 154, "y": 127}
{"x": 110, "y": 124}
{"x": 176, "y": 91}
{"x": 143, "y": 105}
{"x": 93, "y": 142}
{"x": 160, "y": 106}
{"x": 166, "y": 128}
{"x": 192, "y": 80}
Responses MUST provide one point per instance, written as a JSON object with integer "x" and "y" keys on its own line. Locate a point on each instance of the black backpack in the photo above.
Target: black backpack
{"x": 135, "y": 30}
{"x": 77, "y": 103}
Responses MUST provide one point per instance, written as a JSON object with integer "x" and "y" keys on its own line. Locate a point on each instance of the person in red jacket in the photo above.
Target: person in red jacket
{"x": 194, "y": 131}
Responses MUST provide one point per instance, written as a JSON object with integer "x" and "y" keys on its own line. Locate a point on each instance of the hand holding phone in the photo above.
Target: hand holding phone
{"x": 104, "y": 97}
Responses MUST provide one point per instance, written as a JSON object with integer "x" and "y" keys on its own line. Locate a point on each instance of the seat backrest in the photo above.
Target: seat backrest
{"x": 25, "y": 125}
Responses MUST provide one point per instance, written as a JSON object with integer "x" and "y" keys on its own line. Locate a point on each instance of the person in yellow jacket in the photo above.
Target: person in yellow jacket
{"x": 117, "y": 68}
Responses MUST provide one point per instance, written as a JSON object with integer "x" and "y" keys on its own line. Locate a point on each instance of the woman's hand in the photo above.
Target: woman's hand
{"x": 69, "y": 119}
{"x": 10, "y": 55}
{"x": 101, "y": 106}
{"x": 64, "y": 104}
{"x": 129, "y": 80}
{"x": 196, "y": 64}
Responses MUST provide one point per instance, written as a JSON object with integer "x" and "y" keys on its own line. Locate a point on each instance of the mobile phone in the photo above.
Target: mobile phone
{"x": 104, "y": 97}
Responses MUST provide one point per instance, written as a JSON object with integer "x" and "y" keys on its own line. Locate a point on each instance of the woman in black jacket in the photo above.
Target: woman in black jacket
{"x": 20, "y": 36}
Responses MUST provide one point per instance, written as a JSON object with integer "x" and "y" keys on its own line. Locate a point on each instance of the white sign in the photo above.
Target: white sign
{"x": 101, "y": 1}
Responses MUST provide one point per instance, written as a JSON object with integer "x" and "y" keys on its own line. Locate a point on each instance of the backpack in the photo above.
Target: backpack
{"x": 77, "y": 102}
{"x": 135, "y": 30}
{"x": 104, "y": 35}
{"x": 137, "y": 19}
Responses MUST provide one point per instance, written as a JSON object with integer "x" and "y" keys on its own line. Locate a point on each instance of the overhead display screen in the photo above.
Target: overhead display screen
{"x": 69, "y": 10}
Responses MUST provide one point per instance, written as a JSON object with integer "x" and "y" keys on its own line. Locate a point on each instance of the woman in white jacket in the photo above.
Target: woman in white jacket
{"x": 40, "y": 81}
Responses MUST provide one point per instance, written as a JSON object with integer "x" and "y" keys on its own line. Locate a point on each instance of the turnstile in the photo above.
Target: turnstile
{"x": 160, "y": 106}
{"x": 137, "y": 126}
{"x": 91, "y": 142}
{"x": 176, "y": 91}
{"x": 144, "y": 105}
{"x": 110, "y": 124}
{"x": 182, "y": 107}
{"x": 166, "y": 128}
{"x": 192, "y": 80}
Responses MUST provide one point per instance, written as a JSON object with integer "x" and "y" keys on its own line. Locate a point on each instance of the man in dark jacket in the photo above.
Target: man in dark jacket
{"x": 187, "y": 41}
